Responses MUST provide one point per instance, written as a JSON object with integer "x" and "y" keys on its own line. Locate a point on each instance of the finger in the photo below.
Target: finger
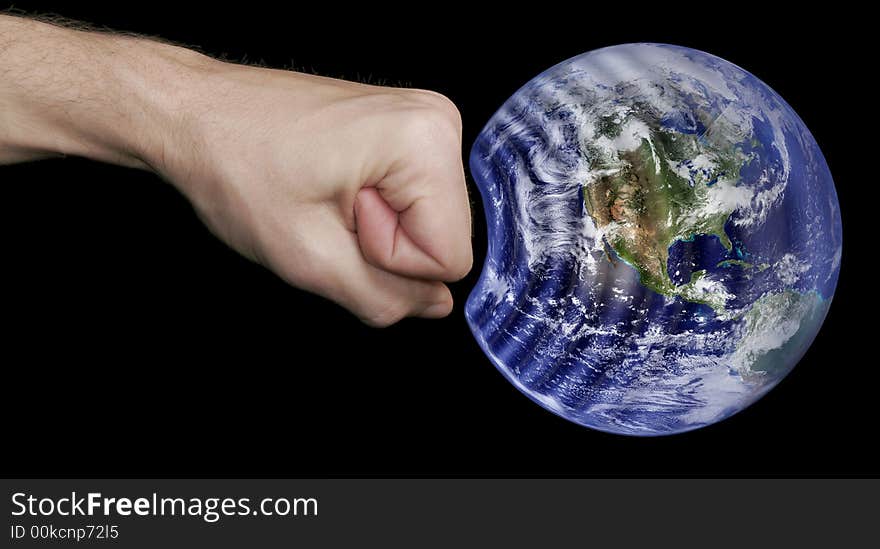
{"x": 385, "y": 242}
{"x": 416, "y": 221}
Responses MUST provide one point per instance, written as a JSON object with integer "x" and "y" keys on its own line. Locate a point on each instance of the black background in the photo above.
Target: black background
{"x": 134, "y": 343}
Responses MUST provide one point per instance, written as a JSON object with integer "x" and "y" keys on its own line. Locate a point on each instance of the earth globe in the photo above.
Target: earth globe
{"x": 664, "y": 239}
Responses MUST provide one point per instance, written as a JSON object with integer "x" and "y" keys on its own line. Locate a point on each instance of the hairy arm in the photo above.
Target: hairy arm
{"x": 350, "y": 191}
{"x": 69, "y": 92}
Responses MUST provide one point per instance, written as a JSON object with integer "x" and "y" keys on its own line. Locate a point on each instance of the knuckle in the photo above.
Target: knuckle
{"x": 443, "y": 106}
{"x": 461, "y": 266}
{"x": 432, "y": 119}
{"x": 384, "y": 315}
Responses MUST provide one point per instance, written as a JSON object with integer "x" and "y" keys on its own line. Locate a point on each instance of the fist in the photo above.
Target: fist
{"x": 350, "y": 191}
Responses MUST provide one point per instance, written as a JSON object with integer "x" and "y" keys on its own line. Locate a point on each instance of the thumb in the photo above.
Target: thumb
{"x": 386, "y": 243}
{"x": 378, "y": 297}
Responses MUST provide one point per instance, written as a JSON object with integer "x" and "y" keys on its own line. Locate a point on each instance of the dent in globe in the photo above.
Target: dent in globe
{"x": 664, "y": 239}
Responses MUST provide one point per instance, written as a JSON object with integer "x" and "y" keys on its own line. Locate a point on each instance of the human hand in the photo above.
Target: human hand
{"x": 350, "y": 191}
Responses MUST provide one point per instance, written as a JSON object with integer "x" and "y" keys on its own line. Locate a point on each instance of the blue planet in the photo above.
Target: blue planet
{"x": 664, "y": 239}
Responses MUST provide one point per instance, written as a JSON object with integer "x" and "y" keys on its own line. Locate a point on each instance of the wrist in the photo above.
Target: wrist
{"x": 161, "y": 90}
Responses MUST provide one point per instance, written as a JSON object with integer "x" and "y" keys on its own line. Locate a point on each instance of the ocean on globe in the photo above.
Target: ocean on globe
{"x": 664, "y": 239}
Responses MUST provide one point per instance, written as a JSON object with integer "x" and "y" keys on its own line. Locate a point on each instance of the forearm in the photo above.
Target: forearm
{"x": 107, "y": 97}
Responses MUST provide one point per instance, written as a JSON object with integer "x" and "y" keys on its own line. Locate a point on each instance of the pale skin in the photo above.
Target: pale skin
{"x": 350, "y": 191}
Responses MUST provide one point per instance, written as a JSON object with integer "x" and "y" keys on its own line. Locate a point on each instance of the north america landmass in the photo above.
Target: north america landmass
{"x": 653, "y": 186}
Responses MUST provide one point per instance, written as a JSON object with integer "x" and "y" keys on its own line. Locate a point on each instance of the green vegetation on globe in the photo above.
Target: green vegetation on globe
{"x": 644, "y": 204}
